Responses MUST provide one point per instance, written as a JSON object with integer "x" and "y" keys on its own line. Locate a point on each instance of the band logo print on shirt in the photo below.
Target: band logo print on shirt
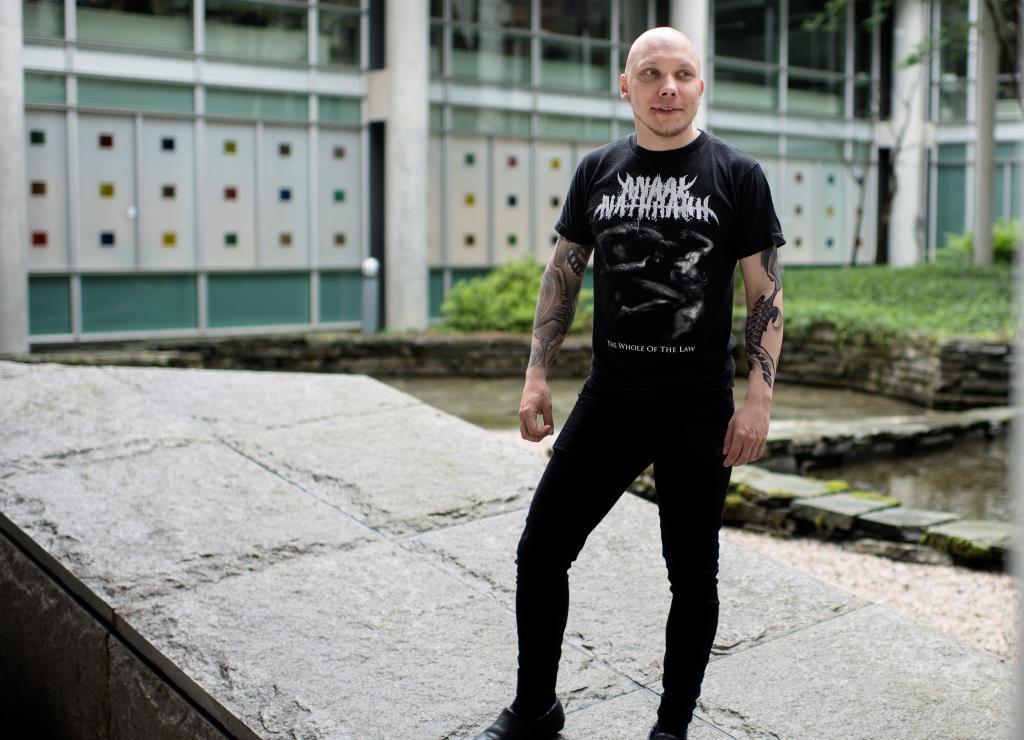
{"x": 653, "y": 198}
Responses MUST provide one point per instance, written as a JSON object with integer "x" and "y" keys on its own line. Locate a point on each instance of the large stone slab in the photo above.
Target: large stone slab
{"x": 399, "y": 471}
{"x": 232, "y": 399}
{"x": 767, "y": 488}
{"x": 839, "y": 510}
{"x": 977, "y": 540}
{"x": 371, "y": 642}
{"x": 628, "y": 717}
{"x": 169, "y": 520}
{"x": 867, "y": 674}
{"x": 903, "y": 523}
{"x": 55, "y": 416}
{"x": 619, "y": 592}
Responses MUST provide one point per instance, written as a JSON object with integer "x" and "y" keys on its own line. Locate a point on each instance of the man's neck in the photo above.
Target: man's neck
{"x": 652, "y": 141}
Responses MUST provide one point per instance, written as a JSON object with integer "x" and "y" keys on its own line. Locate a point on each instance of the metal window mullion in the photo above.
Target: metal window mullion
{"x": 489, "y": 190}
{"x": 875, "y": 89}
{"x": 972, "y": 60}
{"x": 535, "y": 55}
{"x": 851, "y": 40}
{"x": 257, "y": 194}
{"x": 783, "y": 64}
{"x": 931, "y": 245}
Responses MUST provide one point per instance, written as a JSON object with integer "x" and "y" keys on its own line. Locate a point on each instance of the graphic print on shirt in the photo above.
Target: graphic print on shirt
{"x": 654, "y": 272}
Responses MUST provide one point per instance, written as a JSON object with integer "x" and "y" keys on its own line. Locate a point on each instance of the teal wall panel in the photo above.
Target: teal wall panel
{"x": 341, "y": 296}
{"x": 49, "y": 305}
{"x": 135, "y": 95}
{"x": 44, "y": 88}
{"x": 256, "y": 104}
{"x": 436, "y": 293}
{"x": 254, "y": 299}
{"x": 138, "y": 302}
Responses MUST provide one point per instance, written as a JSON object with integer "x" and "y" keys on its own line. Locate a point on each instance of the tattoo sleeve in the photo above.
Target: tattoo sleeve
{"x": 764, "y": 322}
{"x": 556, "y": 304}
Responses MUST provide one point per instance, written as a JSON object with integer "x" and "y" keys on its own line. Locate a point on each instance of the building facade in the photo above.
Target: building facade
{"x": 199, "y": 167}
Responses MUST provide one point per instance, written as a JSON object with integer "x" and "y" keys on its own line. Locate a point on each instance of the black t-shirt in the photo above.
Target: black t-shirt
{"x": 669, "y": 227}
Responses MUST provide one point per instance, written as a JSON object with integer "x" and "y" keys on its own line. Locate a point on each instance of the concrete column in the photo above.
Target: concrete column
{"x": 984, "y": 132}
{"x": 692, "y": 18}
{"x": 13, "y": 199}
{"x": 405, "y": 155}
{"x": 909, "y": 108}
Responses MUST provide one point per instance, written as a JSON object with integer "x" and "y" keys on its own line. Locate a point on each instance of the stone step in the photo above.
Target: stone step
{"x": 972, "y": 541}
{"x": 840, "y": 510}
{"x": 903, "y": 523}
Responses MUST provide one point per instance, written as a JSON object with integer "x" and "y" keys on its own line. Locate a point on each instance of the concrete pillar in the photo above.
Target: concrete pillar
{"x": 13, "y": 199}
{"x": 405, "y": 156}
{"x": 987, "y": 45}
{"x": 692, "y": 17}
{"x": 910, "y": 95}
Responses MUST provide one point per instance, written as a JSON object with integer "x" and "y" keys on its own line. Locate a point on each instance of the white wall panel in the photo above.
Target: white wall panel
{"x": 166, "y": 194}
{"x": 510, "y": 206}
{"x": 340, "y": 200}
{"x": 467, "y": 202}
{"x": 283, "y": 240}
{"x": 110, "y": 167}
{"x": 227, "y": 169}
{"x": 553, "y": 172}
{"x": 46, "y": 163}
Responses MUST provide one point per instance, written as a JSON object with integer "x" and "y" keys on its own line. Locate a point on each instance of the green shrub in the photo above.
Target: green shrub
{"x": 1007, "y": 235}
{"x": 505, "y": 300}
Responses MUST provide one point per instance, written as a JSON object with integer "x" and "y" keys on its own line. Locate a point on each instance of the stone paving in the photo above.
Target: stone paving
{"x": 321, "y": 556}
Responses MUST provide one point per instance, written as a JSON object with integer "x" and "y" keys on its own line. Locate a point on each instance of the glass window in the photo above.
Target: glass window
{"x": 44, "y": 88}
{"x": 256, "y": 104}
{"x": 952, "y": 152}
{"x": 815, "y": 95}
{"x": 436, "y": 46}
{"x": 338, "y": 40}
{"x": 821, "y": 48}
{"x": 43, "y": 17}
{"x": 752, "y": 143}
{"x": 575, "y": 66}
{"x": 162, "y": 24}
{"x": 746, "y": 88}
{"x": 951, "y": 197}
{"x": 490, "y": 121}
{"x": 247, "y": 28}
{"x": 490, "y": 55}
{"x": 141, "y": 95}
{"x": 437, "y": 8}
{"x": 805, "y": 147}
{"x": 573, "y": 127}
{"x": 747, "y": 29}
{"x": 633, "y": 21}
{"x": 953, "y": 61}
{"x": 587, "y": 18}
{"x": 339, "y": 110}
{"x": 494, "y": 13}
{"x": 863, "y": 30}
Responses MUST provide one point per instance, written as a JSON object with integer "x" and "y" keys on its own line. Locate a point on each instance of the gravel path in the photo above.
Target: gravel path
{"x": 977, "y": 607}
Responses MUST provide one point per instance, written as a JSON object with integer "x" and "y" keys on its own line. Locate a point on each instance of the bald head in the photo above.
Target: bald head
{"x": 661, "y": 42}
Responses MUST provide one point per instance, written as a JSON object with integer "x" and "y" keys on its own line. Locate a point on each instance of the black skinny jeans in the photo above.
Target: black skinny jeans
{"x": 605, "y": 443}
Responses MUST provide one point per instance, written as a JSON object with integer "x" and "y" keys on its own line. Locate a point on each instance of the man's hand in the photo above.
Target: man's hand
{"x": 536, "y": 401}
{"x": 747, "y": 432}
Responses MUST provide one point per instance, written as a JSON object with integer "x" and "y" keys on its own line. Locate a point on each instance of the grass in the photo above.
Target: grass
{"x": 883, "y": 302}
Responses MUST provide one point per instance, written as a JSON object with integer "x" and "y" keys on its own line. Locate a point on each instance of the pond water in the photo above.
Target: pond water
{"x": 969, "y": 478}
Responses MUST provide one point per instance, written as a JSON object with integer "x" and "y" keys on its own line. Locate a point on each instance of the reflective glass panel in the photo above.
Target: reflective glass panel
{"x": 632, "y": 21}
{"x": 587, "y": 18}
{"x": 815, "y": 95}
{"x": 436, "y": 43}
{"x": 160, "y": 24}
{"x": 245, "y": 28}
{"x": 747, "y": 29}
{"x": 575, "y": 66}
{"x": 43, "y": 17}
{"x": 494, "y": 13}
{"x": 338, "y": 40}
{"x": 747, "y": 88}
{"x": 819, "y": 48}
{"x": 490, "y": 55}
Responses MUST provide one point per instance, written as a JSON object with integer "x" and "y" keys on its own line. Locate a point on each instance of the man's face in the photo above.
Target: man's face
{"x": 663, "y": 85}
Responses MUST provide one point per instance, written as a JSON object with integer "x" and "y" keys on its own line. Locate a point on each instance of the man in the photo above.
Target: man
{"x": 667, "y": 212}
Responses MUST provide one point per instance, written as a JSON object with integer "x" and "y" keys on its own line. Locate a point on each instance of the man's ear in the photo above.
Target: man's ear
{"x": 623, "y": 87}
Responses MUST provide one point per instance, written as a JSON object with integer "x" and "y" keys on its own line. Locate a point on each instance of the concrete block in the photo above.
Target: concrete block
{"x": 894, "y": 682}
{"x": 169, "y": 520}
{"x": 838, "y": 511}
{"x": 371, "y": 642}
{"x": 903, "y": 523}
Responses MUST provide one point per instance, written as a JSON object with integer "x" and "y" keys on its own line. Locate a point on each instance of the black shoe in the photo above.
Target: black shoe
{"x": 510, "y": 726}
{"x": 657, "y": 733}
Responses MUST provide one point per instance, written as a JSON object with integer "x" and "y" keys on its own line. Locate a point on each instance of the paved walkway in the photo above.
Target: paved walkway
{"x": 322, "y": 556}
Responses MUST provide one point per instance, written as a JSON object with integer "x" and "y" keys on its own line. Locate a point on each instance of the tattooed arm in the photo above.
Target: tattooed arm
{"x": 748, "y": 430}
{"x": 556, "y": 306}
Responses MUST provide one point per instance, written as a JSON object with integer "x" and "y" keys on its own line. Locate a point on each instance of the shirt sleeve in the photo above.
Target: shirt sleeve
{"x": 759, "y": 224}
{"x": 573, "y": 223}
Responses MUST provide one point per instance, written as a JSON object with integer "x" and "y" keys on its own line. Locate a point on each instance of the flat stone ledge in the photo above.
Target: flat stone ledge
{"x": 903, "y": 523}
{"x": 838, "y": 511}
{"x": 973, "y": 541}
